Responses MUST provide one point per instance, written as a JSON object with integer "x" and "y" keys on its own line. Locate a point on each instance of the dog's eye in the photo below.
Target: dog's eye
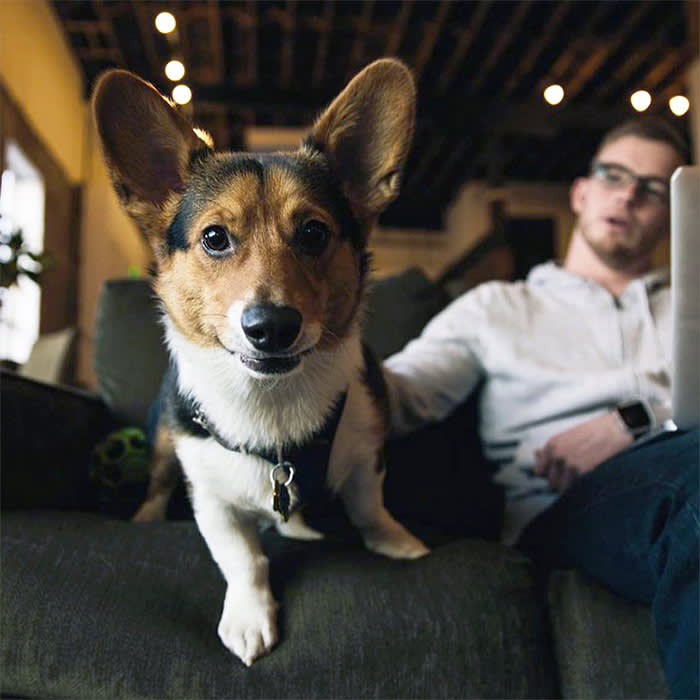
{"x": 312, "y": 238}
{"x": 216, "y": 240}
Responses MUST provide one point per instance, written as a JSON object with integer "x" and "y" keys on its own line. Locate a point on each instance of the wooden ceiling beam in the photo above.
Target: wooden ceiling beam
{"x": 431, "y": 32}
{"x": 536, "y": 48}
{"x": 324, "y": 27}
{"x": 398, "y": 29}
{"x": 505, "y": 37}
{"x": 145, "y": 27}
{"x": 287, "y": 53}
{"x": 363, "y": 24}
{"x": 571, "y": 55}
{"x": 244, "y": 43}
{"x": 465, "y": 40}
{"x": 603, "y": 51}
{"x": 217, "y": 41}
{"x": 105, "y": 16}
{"x": 623, "y": 73}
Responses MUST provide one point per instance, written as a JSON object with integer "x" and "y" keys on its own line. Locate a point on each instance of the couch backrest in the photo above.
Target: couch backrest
{"x": 130, "y": 355}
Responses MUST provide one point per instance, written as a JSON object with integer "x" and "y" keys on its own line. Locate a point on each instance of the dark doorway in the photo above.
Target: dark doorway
{"x": 531, "y": 242}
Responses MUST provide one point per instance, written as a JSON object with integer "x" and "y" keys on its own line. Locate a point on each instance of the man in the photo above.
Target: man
{"x": 575, "y": 363}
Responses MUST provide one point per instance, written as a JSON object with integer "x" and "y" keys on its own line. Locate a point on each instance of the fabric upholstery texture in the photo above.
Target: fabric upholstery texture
{"x": 130, "y": 356}
{"x": 398, "y": 308}
{"x": 604, "y": 645}
{"x": 97, "y": 608}
{"x": 48, "y": 433}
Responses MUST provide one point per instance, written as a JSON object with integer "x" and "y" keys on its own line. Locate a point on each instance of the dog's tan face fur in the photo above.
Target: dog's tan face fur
{"x": 263, "y": 212}
{"x": 176, "y": 188}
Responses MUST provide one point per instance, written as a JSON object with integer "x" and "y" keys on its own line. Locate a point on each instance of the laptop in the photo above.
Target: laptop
{"x": 685, "y": 296}
{"x": 685, "y": 304}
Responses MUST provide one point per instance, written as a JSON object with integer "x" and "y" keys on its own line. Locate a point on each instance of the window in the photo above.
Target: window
{"x": 22, "y": 205}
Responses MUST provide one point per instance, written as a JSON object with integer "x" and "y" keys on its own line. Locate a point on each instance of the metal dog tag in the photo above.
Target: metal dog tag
{"x": 281, "y": 476}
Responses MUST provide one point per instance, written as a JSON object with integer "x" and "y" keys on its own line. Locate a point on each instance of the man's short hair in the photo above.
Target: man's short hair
{"x": 652, "y": 128}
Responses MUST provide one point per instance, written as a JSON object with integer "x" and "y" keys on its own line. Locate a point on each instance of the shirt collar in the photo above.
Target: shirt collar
{"x": 553, "y": 273}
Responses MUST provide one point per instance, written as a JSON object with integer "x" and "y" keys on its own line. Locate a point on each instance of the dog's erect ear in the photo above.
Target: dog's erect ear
{"x": 367, "y": 131}
{"x": 146, "y": 143}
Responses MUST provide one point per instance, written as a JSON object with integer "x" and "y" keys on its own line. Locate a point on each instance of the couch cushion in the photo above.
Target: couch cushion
{"x": 398, "y": 308}
{"x": 130, "y": 356}
{"x": 96, "y": 608}
{"x": 604, "y": 645}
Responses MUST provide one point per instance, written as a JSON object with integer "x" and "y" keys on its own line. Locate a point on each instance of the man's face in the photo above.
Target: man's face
{"x": 619, "y": 222}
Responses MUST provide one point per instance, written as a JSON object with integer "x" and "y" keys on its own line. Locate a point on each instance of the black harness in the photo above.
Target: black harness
{"x": 292, "y": 486}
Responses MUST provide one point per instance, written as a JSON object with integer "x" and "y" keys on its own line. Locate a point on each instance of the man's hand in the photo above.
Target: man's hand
{"x": 580, "y": 449}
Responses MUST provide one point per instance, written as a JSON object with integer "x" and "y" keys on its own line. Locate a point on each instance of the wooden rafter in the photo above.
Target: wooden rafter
{"x": 571, "y": 54}
{"x": 363, "y": 26}
{"x": 634, "y": 60}
{"x": 603, "y": 51}
{"x": 217, "y": 41}
{"x": 504, "y": 39}
{"x": 145, "y": 25}
{"x": 105, "y": 16}
{"x": 431, "y": 32}
{"x": 525, "y": 66}
{"x": 324, "y": 27}
{"x": 465, "y": 39}
{"x": 398, "y": 29}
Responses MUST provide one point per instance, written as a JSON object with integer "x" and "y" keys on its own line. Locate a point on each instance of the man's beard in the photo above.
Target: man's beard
{"x": 620, "y": 255}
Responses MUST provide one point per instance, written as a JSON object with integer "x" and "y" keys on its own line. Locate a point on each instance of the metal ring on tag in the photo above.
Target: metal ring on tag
{"x": 285, "y": 467}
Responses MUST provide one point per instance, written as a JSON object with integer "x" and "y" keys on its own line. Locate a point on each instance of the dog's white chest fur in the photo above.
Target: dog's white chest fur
{"x": 270, "y": 414}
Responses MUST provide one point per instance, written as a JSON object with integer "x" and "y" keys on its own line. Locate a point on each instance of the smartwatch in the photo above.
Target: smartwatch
{"x": 635, "y": 416}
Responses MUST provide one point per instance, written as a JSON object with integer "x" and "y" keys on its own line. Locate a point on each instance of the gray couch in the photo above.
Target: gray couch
{"x": 94, "y": 606}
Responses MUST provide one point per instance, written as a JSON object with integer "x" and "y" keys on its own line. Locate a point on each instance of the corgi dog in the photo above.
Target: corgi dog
{"x": 260, "y": 264}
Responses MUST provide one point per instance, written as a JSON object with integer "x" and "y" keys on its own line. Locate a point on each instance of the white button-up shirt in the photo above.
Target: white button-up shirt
{"x": 554, "y": 350}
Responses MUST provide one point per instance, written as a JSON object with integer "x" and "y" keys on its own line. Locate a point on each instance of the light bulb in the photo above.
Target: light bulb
{"x": 165, "y": 22}
{"x": 182, "y": 94}
{"x": 679, "y": 105}
{"x": 640, "y": 100}
{"x": 554, "y": 94}
{"x": 175, "y": 70}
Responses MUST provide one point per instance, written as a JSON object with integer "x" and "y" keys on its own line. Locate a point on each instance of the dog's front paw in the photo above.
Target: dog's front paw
{"x": 248, "y": 625}
{"x": 392, "y": 539}
{"x": 295, "y": 528}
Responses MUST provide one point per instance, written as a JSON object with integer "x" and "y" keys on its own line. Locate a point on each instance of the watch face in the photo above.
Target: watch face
{"x": 635, "y": 415}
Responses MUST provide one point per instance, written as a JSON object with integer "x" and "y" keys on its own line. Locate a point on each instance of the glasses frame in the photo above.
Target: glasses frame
{"x": 600, "y": 169}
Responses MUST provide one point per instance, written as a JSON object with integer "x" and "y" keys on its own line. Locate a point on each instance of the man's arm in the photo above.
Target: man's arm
{"x": 435, "y": 372}
{"x": 572, "y": 453}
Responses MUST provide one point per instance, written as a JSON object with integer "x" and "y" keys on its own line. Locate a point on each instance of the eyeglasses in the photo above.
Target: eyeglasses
{"x": 614, "y": 176}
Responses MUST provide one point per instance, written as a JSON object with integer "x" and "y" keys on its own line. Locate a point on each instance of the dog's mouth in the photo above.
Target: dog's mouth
{"x": 271, "y": 365}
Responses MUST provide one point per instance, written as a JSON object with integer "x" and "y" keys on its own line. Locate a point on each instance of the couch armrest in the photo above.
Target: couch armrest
{"x": 48, "y": 433}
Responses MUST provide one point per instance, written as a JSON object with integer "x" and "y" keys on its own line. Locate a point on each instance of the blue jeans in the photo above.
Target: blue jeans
{"x": 633, "y": 524}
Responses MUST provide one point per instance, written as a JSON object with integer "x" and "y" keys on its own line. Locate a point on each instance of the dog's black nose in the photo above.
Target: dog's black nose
{"x": 271, "y": 328}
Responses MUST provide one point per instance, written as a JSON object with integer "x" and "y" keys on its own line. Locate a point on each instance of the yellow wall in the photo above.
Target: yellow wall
{"x": 466, "y": 222}
{"x": 40, "y": 72}
{"x": 43, "y": 77}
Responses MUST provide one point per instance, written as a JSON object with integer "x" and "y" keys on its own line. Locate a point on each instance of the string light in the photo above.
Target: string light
{"x": 165, "y": 22}
{"x": 679, "y": 105}
{"x": 182, "y": 94}
{"x": 175, "y": 70}
{"x": 640, "y": 100}
{"x": 554, "y": 94}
